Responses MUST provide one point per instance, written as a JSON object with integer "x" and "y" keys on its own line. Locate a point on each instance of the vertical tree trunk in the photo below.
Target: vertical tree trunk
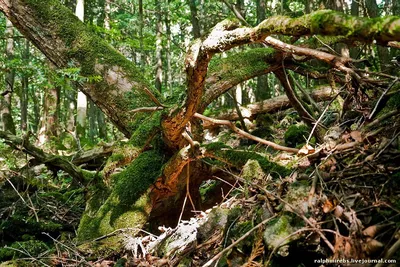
{"x": 395, "y": 7}
{"x": 159, "y": 69}
{"x": 307, "y": 6}
{"x": 168, "y": 76}
{"x": 92, "y": 121}
{"x": 262, "y": 91}
{"x": 49, "y": 119}
{"x": 383, "y": 52}
{"x": 355, "y": 11}
{"x": 194, "y": 19}
{"x": 82, "y": 100}
{"x": 141, "y": 26}
{"x": 24, "y": 92}
{"x": 35, "y": 96}
{"x": 5, "y": 100}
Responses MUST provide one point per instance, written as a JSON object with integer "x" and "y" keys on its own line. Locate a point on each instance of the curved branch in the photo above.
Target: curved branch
{"x": 227, "y": 72}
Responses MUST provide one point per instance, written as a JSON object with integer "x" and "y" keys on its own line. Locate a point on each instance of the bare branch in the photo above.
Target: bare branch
{"x": 246, "y": 135}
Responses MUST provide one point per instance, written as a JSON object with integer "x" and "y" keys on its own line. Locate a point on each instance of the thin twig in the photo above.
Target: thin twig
{"x": 322, "y": 115}
{"x": 247, "y": 135}
{"x": 219, "y": 255}
{"x": 381, "y": 97}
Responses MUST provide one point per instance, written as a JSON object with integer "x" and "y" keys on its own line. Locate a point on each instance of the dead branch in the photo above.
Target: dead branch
{"x": 220, "y": 254}
{"x": 246, "y": 135}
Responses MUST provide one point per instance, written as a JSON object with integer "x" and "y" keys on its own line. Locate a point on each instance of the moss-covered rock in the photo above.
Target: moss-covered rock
{"x": 297, "y": 197}
{"x": 252, "y": 171}
{"x": 277, "y": 233}
{"x": 296, "y": 135}
{"x": 217, "y": 219}
{"x": 239, "y": 158}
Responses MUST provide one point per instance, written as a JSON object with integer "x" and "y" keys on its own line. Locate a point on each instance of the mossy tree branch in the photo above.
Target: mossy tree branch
{"x": 66, "y": 41}
{"x": 59, "y": 162}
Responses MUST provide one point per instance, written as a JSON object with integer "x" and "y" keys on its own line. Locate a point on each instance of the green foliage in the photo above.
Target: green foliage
{"x": 296, "y": 135}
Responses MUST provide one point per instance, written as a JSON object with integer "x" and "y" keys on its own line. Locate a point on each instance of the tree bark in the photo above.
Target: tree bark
{"x": 6, "y": 97}
{"x": 24, "y": 91}
{"x": 159, "y": 65}
{"x": 194, "y": 19}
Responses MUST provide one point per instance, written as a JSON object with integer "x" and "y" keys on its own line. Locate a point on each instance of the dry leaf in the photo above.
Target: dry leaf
{"x": 329, "y": 205}
{"x": 356, "y": 135}
{"x": 338, "y": 212}
{"x": 372, "y": 246}
{"x": 306, "y": 150}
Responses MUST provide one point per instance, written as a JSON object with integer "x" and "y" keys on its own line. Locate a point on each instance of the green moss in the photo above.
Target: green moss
{"x": 206, "y": 188}
{"x": 216, "y": 146}
{"x": 231, "y": 68}
{"x": 19, "y": 225}
{"x": 128, "y": 204}
{"x": 296, "y": 135}
{"x": 240, "y": 158}
{"x": 116, "y": 157}
{"x": 32, "y": 248}
{"x": 252, "y": 170}
{"x": 278, "y": 230}
{"x": 96, "y": 59}
{"x": 145, "y": 127}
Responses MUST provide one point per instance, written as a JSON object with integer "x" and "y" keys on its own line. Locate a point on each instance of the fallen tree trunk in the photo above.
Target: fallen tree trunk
{"x": 273, "y": 105}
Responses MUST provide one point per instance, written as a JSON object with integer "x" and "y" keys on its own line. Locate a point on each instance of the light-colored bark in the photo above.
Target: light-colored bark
{"x": 81, "y": 103}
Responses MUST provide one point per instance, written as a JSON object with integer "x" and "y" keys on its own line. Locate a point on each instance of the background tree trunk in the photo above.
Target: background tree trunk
{"x": 159, "y": 65}
{"x": 24, "y": 91}
{"x": 194, "y": 19}
{"x": 81, "y": 103}
{"x": 6, "y": 98}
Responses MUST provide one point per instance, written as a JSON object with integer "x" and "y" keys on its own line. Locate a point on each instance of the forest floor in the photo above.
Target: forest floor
{"x": 339, "y": 203}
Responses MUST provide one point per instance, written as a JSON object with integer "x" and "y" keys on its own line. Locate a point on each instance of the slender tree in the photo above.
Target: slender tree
{"x": 159, "y": 64}
{"x": 24, "y": 90}
{"x": 81, "y": 106}
{"x": 194, "y": 19}
{"x": 6, "y": 96}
